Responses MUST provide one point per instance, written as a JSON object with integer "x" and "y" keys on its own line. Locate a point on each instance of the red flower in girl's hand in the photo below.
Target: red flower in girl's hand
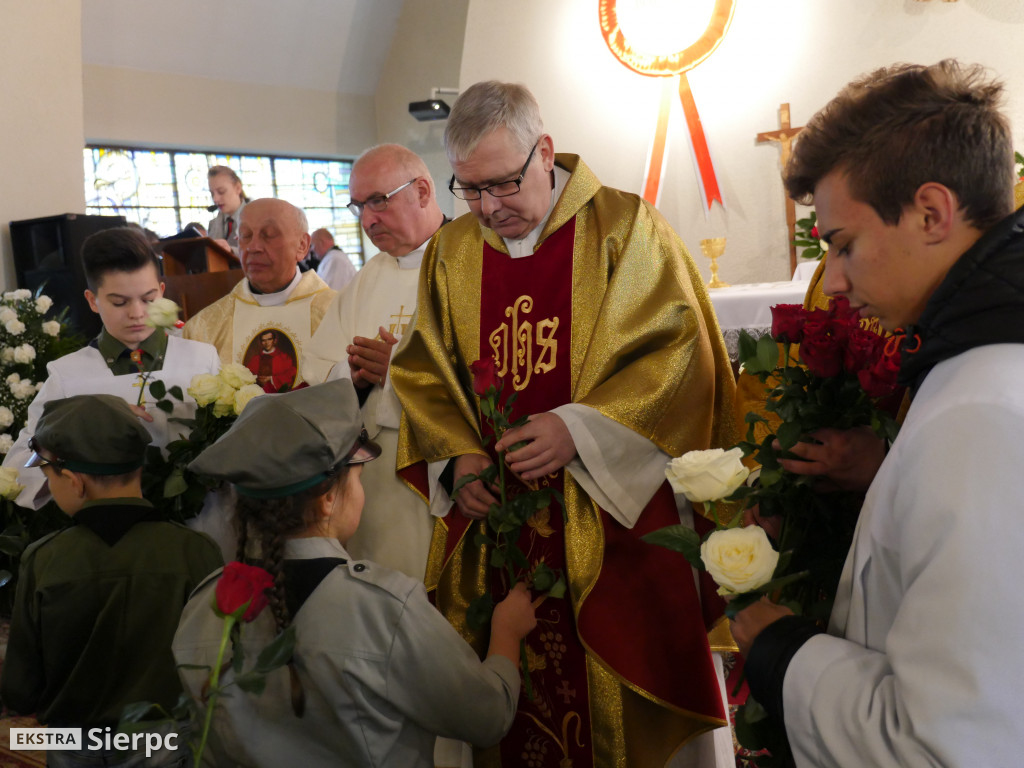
{"x": 485, "y": 376}
{"x": 240, "y": 584}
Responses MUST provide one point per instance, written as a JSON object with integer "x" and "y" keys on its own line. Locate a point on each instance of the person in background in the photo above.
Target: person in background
{"x": 329, "y": 261}
{"x": 121, "y": 272}
{"x": 393, "y": 196}
{"x": 98, "y": 603}
{"x": 273, "y": 295}
{"x": 229, "y": 199}
{"x": 377, "y": 673}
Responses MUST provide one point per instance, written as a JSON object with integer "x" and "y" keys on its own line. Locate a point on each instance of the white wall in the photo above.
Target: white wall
{"x": 796, "y": 51}
{"x": 128, "y": 106}
{"x": 41, "y": 133}
{"x": 426, "y": 53}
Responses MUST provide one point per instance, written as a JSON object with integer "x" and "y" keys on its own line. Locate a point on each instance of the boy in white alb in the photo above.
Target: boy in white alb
{"x": 123, "y": 279}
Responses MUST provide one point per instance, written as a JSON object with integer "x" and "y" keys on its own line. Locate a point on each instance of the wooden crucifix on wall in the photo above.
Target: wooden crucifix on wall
{"x": 784, "y": 136}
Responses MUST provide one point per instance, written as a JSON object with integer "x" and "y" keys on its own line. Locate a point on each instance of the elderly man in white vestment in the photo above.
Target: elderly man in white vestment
{"x": 393, "y": 196}
{"x": 274, "y": 295}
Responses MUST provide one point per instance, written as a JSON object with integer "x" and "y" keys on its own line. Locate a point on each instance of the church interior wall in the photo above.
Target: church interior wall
{"x": 795, "y": 51}
{"x": 41, "y": 128}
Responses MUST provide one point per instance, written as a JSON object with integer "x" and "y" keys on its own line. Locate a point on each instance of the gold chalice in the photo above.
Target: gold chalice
{"x": 713, "y": 247}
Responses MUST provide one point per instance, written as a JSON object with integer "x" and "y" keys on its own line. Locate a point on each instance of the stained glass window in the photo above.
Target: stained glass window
{"x": 163, "y": 190}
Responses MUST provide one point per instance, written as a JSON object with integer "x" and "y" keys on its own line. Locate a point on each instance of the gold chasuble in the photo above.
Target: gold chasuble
{"x": 236, "y": 323}
{"x": 608, "y": 312}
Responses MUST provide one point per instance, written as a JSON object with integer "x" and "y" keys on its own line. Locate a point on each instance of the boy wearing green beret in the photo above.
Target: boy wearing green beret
{"x": 97, "y": 604}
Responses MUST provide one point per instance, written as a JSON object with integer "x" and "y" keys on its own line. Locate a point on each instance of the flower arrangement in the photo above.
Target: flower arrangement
{"x": 28, "y": 341}
{"x": 808, "y": 239}
{"x": 846, "y": 379}
{"x": 220, "y": 399}
{"x": 239, "y": 597}
{"x": 526, "y": 505}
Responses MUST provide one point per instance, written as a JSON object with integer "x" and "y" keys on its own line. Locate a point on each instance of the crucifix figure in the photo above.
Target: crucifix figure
{"x": 784, "y": 136}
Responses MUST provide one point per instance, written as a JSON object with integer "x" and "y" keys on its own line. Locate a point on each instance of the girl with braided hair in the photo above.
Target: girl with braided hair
{"x": 377, "y": 673}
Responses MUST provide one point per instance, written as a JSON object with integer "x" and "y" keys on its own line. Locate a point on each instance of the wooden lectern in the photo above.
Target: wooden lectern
{"x": 197, "y": 272}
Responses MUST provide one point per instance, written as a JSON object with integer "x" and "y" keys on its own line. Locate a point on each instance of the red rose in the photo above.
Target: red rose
{"x": 817, "y": 323}
{"x": 861, "y": 350}
{"x": 814, "y": 232}
{"x": 788, "y": 322}
{"x": 240, "y": 584}
{"x": 879, "y": 380}
{"x": 485, "y": 376}
{"x": 821, "y": 354}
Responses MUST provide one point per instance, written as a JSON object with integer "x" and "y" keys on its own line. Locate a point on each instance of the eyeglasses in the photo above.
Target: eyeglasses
{"x": 501, "y": 189}
{"x": 38, "y": 459}
{"x": 377, "y": 203}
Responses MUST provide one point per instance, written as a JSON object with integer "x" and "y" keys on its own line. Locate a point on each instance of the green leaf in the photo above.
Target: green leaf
{"x": 788, "y": 434}
{"x": 176, "y": 392}
{"x": 165, "y": 405}
{"x": 157, "y": 388}
{"x": 557, "y": 590}
{"x": 767, "y": 353}
{"x": 480, "y": 540}
{"x": 489, "y": 474}
{"x": 478, "y": 614}
{"x": 5, "y": 577}
{"x": 497, "y": 558}
{"x": 678, "y": 538}
{"x": 747, "y": 347}
{"x": 175, "y": 483}
{"x": 251, "y": 682}
{"x": 464, "y": 480}
{"x": 278, "y": 652}
{"x": 543, "y": 577}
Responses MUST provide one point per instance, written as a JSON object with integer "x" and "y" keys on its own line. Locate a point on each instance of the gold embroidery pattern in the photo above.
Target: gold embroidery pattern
{"x": 400, "y": 322}
{"x": 520, "y": 360}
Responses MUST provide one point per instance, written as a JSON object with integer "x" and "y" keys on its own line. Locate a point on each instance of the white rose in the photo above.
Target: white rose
{"x": 14, "y": 378}
{"x": 9, "y": 488}
{"x": 7, "y": 314}
{"x": 707, "y": 475}
{"x": 7, "y": 355}
{"x": 6, "y": 443}
{"x": 39, "y": 385}
{"x": 6, "y": 417}
{"x": 51, "y": 328}
{"x": 204, "y": 388}
{"x": 244, "y": 395}
{"x": 224, "y": 405}
{"x": 162, "y": 313}
{"x": 26, "y": 353}
{"x": 43, "y": 304}
{"x": 21, "y": 294}
{"x": 22, "y": 390}
{"x": 739, "y": 559}
{"x": 14, "y": 327}
{"x": 236, "y": 375}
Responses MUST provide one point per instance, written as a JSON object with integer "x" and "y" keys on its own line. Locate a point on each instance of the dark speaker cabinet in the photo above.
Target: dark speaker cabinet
{"x": 48, "y": 252}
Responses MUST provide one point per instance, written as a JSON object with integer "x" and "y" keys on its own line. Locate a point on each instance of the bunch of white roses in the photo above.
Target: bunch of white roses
{"x": 27, "y": 342}
{"x": 228, "y": 392}
{"x": 740, "y": 560}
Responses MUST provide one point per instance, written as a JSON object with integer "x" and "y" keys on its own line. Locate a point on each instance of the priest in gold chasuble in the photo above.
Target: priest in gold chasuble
{"x": 597, "y": 318}
{"x": 273, "y": 312}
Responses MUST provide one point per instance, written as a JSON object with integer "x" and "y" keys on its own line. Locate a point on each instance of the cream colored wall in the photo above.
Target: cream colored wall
{"x": 426, "y": 53}
{"x": 40, "y": 115}
{"x": 796, "y": 51}
{"x": 125, "y": 106}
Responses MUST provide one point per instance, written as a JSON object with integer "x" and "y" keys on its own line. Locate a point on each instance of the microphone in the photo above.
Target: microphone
{"x": 212, "y": 208}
